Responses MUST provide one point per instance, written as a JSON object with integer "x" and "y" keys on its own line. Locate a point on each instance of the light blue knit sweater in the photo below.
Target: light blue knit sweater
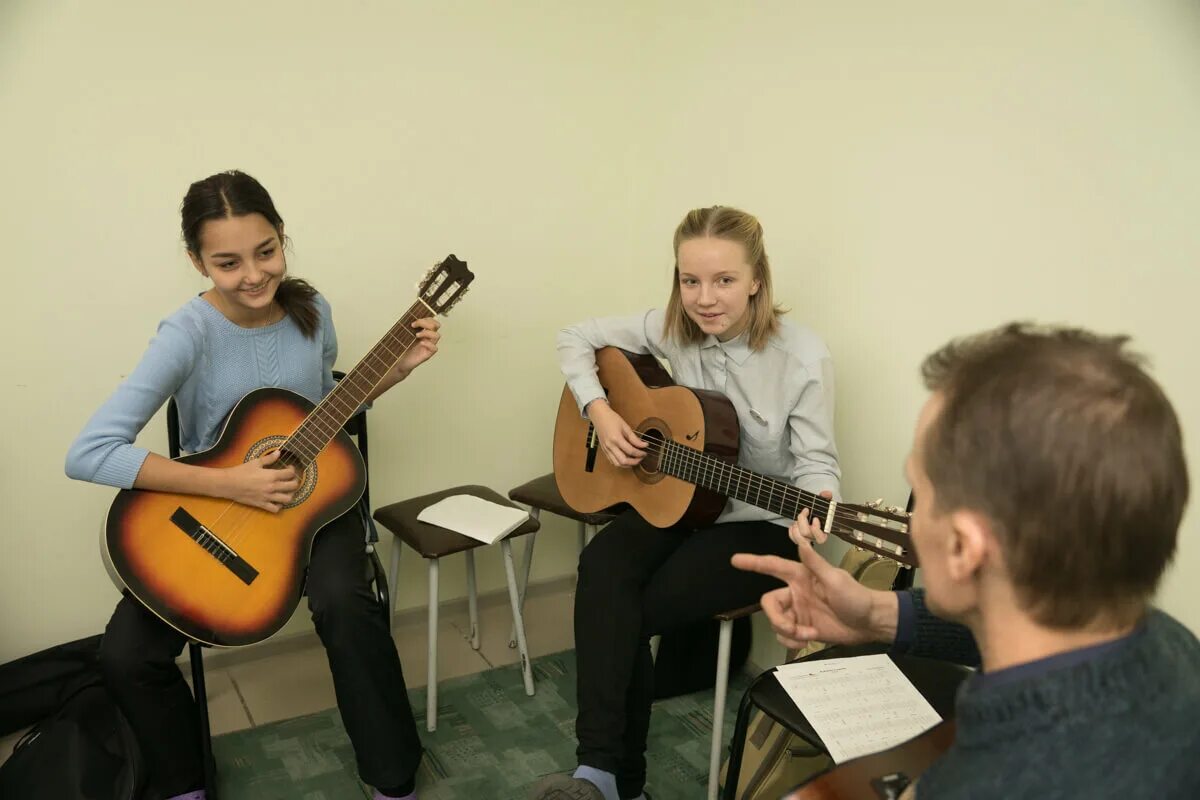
{"x": 208, "y": 363}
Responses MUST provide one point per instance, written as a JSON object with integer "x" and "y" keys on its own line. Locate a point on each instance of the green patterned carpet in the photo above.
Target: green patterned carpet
{"x": 492, "y": 743}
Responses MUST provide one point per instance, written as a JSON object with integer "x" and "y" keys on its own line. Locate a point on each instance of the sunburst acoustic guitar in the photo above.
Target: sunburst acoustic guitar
{"x": 690, "y": 468}
{"x": 228, "y": 574}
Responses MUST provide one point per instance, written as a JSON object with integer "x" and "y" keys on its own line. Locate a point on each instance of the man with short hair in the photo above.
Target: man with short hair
{"x": 1050, "y": 480}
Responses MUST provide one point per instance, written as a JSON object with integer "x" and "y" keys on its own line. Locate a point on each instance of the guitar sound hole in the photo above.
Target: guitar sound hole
{"x": 308, "y": 477}
{"x": 654, "y": 432}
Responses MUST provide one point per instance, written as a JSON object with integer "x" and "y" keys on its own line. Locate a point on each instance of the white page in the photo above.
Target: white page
{"x": 473, "y": 516}
{"x": 859, "y": 705}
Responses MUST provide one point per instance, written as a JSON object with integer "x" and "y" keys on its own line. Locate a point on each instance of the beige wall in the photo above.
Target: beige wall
{"x": 921, "y": 171}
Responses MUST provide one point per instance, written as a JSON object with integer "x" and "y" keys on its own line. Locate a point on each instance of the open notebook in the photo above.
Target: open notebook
{"x": 475, "y": 517}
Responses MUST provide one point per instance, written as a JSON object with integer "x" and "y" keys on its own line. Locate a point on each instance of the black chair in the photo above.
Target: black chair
{"x": 937, "y": 681}
{"x": 356, "y": 427}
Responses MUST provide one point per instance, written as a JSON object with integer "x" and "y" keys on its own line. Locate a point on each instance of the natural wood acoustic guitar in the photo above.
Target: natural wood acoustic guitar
{"x": 228, "y": 574}
{"x": 690, "y": 469}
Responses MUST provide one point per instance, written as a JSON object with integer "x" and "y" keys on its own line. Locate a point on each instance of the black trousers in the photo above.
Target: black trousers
{"x": 635, "y": 581}
{"x": 138, "y": 651}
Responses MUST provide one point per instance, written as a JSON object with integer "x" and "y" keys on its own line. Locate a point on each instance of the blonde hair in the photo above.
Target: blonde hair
{"x": 734, "y": 225}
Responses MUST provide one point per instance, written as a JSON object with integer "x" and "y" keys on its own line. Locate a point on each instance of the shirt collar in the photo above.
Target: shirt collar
{"x": 737, "y": 348}
{"x": 1035, "y": 669}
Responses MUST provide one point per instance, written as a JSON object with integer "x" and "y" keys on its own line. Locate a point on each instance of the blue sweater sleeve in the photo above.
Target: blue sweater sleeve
{"x": 104, "y": 451}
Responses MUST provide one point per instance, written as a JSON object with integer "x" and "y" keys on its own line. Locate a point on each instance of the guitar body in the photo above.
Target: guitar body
{"x": 880, "y": 776}
{"x": 237, "y": 580}
{"x": 642, "y": 392}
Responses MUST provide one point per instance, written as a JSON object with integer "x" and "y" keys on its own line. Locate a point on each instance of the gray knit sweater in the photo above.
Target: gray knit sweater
{"x": 1123, "y": 725}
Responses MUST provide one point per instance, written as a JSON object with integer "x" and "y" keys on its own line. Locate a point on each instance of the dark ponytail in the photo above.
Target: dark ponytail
{"x": 297, "y": 298}
{"x": 236, "y": 194}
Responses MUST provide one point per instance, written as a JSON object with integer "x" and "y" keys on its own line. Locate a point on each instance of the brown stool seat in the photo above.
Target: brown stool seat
{"x": 543, "y": 493}
{"x": 432, "y": 541}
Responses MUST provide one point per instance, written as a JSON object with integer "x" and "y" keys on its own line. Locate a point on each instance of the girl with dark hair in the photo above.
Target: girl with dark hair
{"x": 254, "y": 327}
{"x": 721, "y": 331}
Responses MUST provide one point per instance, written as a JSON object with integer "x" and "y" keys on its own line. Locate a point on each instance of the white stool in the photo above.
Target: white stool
{"x": 434, "y": 543}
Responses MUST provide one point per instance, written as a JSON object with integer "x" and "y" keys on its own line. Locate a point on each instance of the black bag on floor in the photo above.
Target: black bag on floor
{"x": 31, "y": 688}
{"x": 82, "y": 748}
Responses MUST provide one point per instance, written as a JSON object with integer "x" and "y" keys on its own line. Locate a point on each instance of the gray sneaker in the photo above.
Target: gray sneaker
{"x": 564, "y": 787}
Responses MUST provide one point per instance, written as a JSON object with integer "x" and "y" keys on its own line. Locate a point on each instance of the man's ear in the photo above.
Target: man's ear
{"x": 972, "y": 538}
{"x": 199, "y": 265}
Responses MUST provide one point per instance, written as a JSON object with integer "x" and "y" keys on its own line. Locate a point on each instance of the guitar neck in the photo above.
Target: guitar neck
{"x": 348, "y": 396}
{"x": 709, "y": 472}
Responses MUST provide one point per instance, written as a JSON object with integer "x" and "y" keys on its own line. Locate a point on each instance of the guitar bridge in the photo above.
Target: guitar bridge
{"x": 213, "y": 545}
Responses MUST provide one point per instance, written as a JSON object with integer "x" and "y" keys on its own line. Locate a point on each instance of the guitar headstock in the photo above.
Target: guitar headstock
{"x": 445, "y": 284}
{"x": 873, "y": 526}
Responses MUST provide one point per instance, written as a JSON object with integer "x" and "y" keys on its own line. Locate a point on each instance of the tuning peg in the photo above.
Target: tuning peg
{"x": 875, "y": 503}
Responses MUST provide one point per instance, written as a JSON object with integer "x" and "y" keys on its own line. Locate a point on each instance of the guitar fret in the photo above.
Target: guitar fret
{"x": 716, "y": 475}
{"x": 336, "y": 409}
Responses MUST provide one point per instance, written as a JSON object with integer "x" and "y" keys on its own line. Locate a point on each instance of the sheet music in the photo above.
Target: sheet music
{"x": 859, "y": 705}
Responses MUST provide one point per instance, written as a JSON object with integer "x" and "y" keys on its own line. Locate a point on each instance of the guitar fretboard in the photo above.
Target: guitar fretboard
{"x": 348, "y": 396}
{"x": 709, "y": 472}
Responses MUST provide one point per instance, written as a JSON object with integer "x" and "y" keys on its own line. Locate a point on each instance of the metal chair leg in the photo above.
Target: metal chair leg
{"x": 431, "y": 681}
{"x": 472, "y": 600}
{"x": 393, "y": 578}
{"x": 383, "y": 594}
{"x": 737, "y": 744}
{"x": 196, "y": 654}
{"x": 519, "y": 623}
{"x": 714, "y": 756}
{"x": 526, "y": 567}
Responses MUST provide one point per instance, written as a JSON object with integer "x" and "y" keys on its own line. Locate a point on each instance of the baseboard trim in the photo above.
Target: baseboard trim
{"x": 219, "y": 658}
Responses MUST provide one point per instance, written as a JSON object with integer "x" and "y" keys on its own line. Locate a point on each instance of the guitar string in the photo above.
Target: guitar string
{"x": 684, "y": 456}
{"x": 404, "y": 325}
{"x": 234, "y": 532}
{"x": 672, "y": 453}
